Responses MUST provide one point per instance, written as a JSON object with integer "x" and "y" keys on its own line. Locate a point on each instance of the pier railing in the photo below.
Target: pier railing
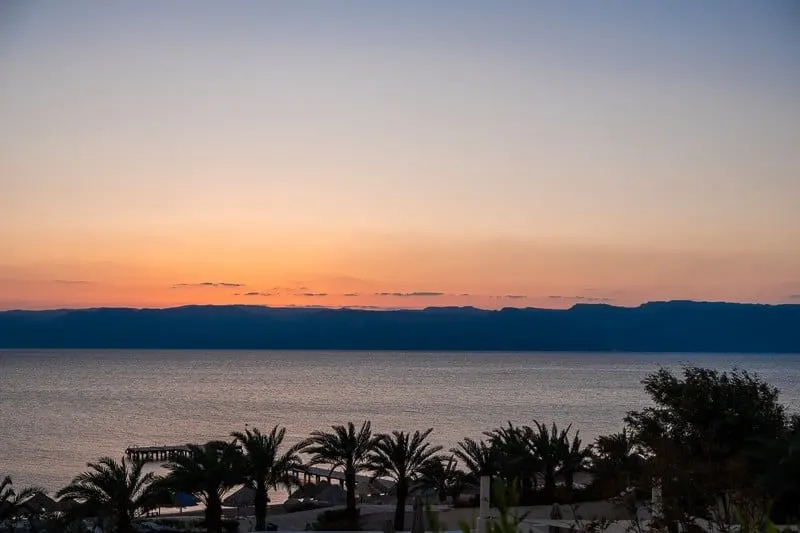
{"x": 157, "y": 453}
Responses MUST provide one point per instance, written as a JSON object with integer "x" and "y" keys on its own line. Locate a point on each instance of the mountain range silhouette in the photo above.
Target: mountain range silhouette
{"x": 675, "y": 326}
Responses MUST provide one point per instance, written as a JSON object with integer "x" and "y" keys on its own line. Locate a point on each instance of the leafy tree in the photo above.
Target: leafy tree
{"x": 208, "y": 471}
{"x": 265, "y": 467}
{"x": 115, "y": 491}
{"x": 346, "y": 448}
{"x": 402, "y": 457}
{"x": 702, "y": 432}
{"x": 778, "y": 464}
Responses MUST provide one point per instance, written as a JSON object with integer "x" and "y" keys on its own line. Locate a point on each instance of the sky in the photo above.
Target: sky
{"x": 398, "y": 154}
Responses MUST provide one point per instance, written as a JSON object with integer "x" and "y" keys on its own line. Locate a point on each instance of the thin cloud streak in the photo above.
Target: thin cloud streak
{"x": 211, "y": 284}
{"x": 256, "y": 293}
{"x": 595, "y": 299}
{"x": 410, "y": 294}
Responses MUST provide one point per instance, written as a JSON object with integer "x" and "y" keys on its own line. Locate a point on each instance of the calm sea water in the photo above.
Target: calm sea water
{"x": 60, "y": 409}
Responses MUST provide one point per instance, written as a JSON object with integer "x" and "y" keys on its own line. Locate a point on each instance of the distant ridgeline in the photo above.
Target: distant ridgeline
{"x": 677, "y": 326}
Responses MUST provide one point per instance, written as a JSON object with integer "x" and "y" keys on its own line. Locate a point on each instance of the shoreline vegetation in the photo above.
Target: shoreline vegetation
{"x": 675, "y": 326}
{"x": 719, "y": 448}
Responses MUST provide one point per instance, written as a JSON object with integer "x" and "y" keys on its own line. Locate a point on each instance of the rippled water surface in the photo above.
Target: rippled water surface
{"x": 61, "y": 409}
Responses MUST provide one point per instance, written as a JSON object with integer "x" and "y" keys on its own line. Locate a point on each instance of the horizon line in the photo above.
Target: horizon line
{"x": 385, "y": 309}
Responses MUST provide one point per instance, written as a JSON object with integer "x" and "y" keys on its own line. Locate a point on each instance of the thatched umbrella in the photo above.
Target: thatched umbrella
{"x": 40, "y": 503}
{"x": 332, "y": 494}
{"x": 244, "y": 497}
{"x": 67, "y": 504}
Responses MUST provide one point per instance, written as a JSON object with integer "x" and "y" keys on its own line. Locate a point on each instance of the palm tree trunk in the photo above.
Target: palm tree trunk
{"x": 260, "y": 505}
{"x": 350, "y": 486}
{"x": 213, "y": 514}
{"x": 549, "y": 484}
{"x": 526, "y": 488}
{"x": 123, "y": 524}
{"x": 400, "y": 508}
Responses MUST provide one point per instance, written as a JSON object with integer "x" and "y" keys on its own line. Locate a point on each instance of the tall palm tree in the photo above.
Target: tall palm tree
{"x": 574, "y": 458}
{"x": 549, "y": 450}
{"x": 11, "y": 499}
{"x": 479, "y": 458}
{"x": 516, "y": 457}
{"x": 617, "y": 460}
{"x": 208, "y": 471}
{"x": 265, "y": 468}
{"x": 401, "y": 456}
{"x": 346, "y": 448}
{"x": 115, "y": 491}
{"x": 440, "y": 473}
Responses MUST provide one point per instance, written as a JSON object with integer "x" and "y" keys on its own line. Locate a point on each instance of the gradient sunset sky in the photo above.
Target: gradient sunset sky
{"x": 398, "y": 153}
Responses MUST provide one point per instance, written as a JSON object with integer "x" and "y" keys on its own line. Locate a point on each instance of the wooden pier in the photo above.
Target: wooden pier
{"x": 305, "y": 474}
{"x": 312, "y": 474}
{"x": 156, "y": 453}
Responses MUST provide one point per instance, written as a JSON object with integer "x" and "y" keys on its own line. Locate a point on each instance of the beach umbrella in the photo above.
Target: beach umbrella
{"x": 184, "y": 499}
{"x": 67, "y": 504}
{"x": 418, "y": 518}
{"x": 244, "y": 497}
{"x": 332, "y": 494}
{"x": 40, "y": 503}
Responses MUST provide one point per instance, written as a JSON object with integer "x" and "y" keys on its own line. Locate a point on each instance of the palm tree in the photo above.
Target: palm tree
{"x": 479, "y": 458}
{"x": 439, "y": 473}
{"x": 401, "y": 456}
{"x": 11, "y": 500}
{"x": 617, "y": 460}
{"x": 208, "y": 471}
{"x": 549, "y": 450}
{"x": 574, "y": 458}
{"x": 115, "y": 491}
{"x": 344, "y": 448}
{"x": 517, "y": 460}
{"x": 265, "y": 468}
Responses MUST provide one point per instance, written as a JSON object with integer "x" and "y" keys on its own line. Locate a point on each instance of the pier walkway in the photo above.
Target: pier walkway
{"x": 306, "y": 474}
{"x": 156, "y": 453}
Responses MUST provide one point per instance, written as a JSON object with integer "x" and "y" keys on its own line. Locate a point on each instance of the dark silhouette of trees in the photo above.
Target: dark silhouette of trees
{"x": 115, "y": 491}
{"x": 265, "y": 467}
{"x": 703, "y": 432}
{"x": 208, "y": 471}
{"x": 401, "y": 457}
{"x": 346, "y": 448}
